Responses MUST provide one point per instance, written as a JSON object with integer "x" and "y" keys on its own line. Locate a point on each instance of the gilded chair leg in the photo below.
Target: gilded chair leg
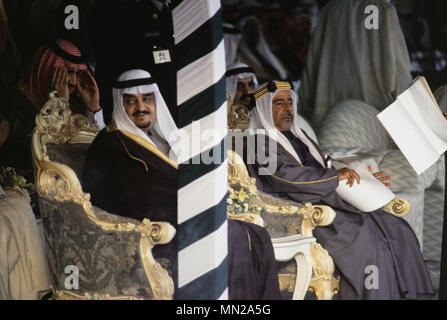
{"x": 323, "y": 282}
{"x": 303, "y": 274}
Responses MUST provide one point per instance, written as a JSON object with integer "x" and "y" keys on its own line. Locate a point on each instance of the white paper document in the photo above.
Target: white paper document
{"x": 417, "y": 126}
{"x": 368, "y": 195}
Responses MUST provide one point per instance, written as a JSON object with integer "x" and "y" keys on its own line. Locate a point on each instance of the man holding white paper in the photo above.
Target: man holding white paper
{"x": 355, "y": 240}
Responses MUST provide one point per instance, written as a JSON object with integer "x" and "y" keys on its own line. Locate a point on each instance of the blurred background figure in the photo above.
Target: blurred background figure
{"x": 348, "y": 61}
{"x": 241, "y": 84}
{"x": 256, "y": 52}
{"x": 232, "y": 38}
{"x": 131, "y": 34}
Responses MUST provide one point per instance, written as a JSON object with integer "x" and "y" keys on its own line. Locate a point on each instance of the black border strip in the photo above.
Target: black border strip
{"x": 202, "y": 225}
{"x": 231, "y": 30}
{"x": 203, "y": 104}
{"x": 133, "y": 83}
{"x": 236, "y": 71}
{"x": 201, "y": 42}
{"x": 189, "y": 171}
{"x": 65, "y": 55}
{"x": 215, "y": 282}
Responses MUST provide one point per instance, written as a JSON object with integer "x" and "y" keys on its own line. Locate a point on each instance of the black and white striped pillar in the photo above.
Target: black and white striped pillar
{"x": 202, "y": 118}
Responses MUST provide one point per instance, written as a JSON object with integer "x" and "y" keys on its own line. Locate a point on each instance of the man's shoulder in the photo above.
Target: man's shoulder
{"x": 105, "y": 139}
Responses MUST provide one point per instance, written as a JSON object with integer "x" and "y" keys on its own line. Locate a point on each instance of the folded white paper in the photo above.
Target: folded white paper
{"x": 368, "y": 195}
{"x": 417, "y": 126}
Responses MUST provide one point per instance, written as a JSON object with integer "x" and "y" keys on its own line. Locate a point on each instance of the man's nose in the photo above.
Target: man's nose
{"x": 288, "y": 107}
{"x": 140, "y": 105}
{"x": 72, "y": 79}
{"x": 248, "y": 89}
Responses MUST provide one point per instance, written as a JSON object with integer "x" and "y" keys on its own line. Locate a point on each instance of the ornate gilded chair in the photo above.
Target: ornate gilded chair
{"x": 112, "y": 255}
{"x": 303, "y": 264}
{"x": 290, "y": 225}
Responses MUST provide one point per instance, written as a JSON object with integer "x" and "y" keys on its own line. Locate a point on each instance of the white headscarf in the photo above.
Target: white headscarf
{"x": 262, "y": 118}
{"x": 232, "y": 39}
{"x": 245, "y": 72}
{"x": 263, "y": 49}
{"x": 139, "y": 82}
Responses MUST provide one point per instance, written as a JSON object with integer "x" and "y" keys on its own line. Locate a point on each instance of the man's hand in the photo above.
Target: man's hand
{"x": 60, "y": 83}
{"x": 89, "y": 92}
{"x": 348, "y": 174}
{"x": 380, "y": 176}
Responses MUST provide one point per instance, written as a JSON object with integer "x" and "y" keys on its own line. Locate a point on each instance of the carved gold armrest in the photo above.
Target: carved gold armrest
{"x": 248, "y": 217}
{"x": 398, "y": 207}
{"x": 313, "y": 216}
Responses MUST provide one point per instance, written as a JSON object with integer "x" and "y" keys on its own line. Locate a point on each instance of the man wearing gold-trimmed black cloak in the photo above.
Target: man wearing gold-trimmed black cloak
{"x": 355, "y": 240}
{"x": 131, "y": 170}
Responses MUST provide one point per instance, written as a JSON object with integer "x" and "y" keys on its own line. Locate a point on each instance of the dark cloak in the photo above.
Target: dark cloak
{"x": 355, "y": 240}
{"x": 116, "y": 177}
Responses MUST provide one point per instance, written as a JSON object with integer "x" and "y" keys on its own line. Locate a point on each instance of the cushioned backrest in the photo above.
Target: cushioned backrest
{"x": 72, "y": 155}
{"x": 351, "y": 124}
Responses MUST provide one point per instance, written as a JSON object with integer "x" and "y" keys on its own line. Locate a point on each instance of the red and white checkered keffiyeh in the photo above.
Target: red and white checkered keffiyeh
{"x": 37, "y": 82}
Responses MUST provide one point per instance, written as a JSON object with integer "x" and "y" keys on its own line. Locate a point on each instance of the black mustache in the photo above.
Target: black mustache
{"x": 288, "y": 114}
{"x": 140, "y": 112}
{"x": 246, "y": 96}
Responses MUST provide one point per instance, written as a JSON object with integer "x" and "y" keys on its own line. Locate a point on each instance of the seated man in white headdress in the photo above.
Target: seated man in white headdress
{"x": 241, "y": 84}
{"x": 355, "y": 240}
{"x": 131, "y": 170}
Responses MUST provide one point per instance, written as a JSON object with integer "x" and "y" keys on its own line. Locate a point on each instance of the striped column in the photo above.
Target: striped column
{"x": 202, "y": 118}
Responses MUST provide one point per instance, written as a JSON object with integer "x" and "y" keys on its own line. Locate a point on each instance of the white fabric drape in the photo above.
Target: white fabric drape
{"x": 24, "y": 271}
{"x": 232, "y": 41}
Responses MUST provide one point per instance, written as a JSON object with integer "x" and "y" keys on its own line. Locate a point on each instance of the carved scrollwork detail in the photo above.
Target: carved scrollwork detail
{"x": 238, "y": 174}
{"x": 238, "y": 115}
{"x": 287, "y": 282}
{"x": 161, "y": 283}
{"x": 398, "y": 207}
{"x": 156, "y": 232}
{"x": 316, "y": 216}
{"x": 323, "y": 282}
{"x": 251, "y": 218}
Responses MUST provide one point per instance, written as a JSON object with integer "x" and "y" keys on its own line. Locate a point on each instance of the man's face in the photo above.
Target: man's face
{"x": 141, "y": 109}
{"x": 244, "y": 92}
{"x": 282, "y": 109}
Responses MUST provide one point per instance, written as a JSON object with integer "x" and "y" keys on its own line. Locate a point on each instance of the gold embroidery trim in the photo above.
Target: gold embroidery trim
{"x": 279, "y": 84}
{"x": 112, "y": 127}
{"x": 249, "y": 239}
{"x": 130, "y": 155}
{"x": 306, "y": 182}
{"x": 294, "y": 182}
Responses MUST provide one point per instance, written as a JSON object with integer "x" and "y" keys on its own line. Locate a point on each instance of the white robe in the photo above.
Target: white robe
{"x": 24, "y": 272}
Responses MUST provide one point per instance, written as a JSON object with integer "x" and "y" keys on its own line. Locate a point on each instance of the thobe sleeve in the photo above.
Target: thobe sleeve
{"x": 289, "y": 176}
